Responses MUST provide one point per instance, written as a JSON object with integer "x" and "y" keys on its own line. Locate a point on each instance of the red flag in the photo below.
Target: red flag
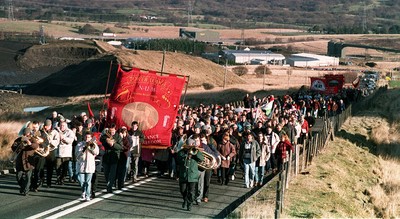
{"x": 148, "y": 98}
{"x": 91, "y": 114}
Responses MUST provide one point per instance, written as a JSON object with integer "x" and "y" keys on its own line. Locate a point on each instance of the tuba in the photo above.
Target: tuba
{"x": 42, "y": 151}
{"x": 209, "y": 162}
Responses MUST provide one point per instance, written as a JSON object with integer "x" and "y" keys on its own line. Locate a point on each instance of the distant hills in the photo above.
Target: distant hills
{"x": 328, "y": 16}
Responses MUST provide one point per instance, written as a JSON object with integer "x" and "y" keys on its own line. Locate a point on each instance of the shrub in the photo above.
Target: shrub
{"x": 208, "y": 86}
{"x": 260, "y": 71}
{"x": 370, "y": 64}
{"x": 240, "y": 70}
{"x": 88, "y": 29}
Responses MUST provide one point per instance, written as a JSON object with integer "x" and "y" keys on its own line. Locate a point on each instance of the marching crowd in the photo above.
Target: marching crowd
{"x": 253, "y": 137}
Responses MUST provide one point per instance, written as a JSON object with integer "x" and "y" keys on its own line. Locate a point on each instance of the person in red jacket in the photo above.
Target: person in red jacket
{"x": 304, "y": 130}
{"x": 282, "y": 149}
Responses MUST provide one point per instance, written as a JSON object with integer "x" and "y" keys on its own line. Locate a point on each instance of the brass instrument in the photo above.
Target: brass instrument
{"x": 42, "y": 151}
{"x": 209, "y": 162}
{"x": 49, "y": 137}
{"x": 178, "y": 146}
{"x": 107, "y": 133}
{"x": 90, "y": 145}
{"x": 24, "y": 143}
{"x": 193, "y": 150}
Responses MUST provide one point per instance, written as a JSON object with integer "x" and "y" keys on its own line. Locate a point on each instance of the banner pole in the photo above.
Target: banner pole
{"x": 186, "y": 87}
{"x": 108, "y": 81}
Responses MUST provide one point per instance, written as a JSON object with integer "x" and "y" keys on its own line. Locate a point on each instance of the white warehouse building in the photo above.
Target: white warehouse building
{"x": 311, "y": 60}
{"x": 256, "y": 57}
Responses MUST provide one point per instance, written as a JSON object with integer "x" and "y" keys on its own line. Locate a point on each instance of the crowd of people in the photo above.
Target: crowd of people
{"x": 250, "y": 137}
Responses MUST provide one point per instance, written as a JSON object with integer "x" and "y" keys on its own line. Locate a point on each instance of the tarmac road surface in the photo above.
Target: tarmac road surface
{"x": 155, "y": 197}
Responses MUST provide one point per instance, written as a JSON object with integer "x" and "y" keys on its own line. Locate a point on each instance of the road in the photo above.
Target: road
{"x": 155, "y": 197}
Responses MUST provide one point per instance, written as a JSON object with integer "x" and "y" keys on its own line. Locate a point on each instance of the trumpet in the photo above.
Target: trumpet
{"x": 90, "y": 145}
{"x": 192, "y": 150}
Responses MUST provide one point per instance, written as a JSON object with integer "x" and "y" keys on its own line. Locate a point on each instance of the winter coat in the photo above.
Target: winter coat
{"x": 272, "y": 141}
{"x": 189, "y": 168}
{"x": 85, "y": 158}
{"x": 265, "y": 154}
{"x": 226, "y": 150}
{"x": 255, "y": 151}
{"x": 282, "y": 149}
{"x": 25, "y": 158}
{"x": 65, "y": 146}
{"x": 137, "y": 150}
{"x": 112, "y": 153}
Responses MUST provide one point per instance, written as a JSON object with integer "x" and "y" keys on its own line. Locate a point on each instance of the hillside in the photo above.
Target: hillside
{"x": 90, "y": 76}
{"x": 351, "y": 16}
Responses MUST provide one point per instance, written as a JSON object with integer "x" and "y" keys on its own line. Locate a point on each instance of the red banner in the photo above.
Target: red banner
{"x": 329, "y": 84}
{"x": 148, "y": 98}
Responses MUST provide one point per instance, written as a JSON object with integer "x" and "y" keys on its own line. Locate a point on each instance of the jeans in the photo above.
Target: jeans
{"x": 71, "y": 171}
{"x": 128, "y": 166}
{"x": 259, "y": 174}
{"x": 85, "y": 180}
{"x": 249, "y": 168}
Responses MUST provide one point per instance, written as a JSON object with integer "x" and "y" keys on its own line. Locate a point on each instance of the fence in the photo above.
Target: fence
{"x": 305, "y": 153}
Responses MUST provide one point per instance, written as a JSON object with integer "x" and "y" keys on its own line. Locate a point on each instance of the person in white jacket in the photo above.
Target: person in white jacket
{"x": 64, "y": 154}
{"x": 272, "y": 139}
{"x": 85, "y": 153}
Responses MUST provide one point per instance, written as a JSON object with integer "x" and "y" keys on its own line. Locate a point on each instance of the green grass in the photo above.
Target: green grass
{"x": 394, "y": 84}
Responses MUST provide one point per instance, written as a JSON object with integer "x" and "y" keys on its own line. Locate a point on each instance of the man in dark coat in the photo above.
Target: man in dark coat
{"x": 112, "y": 143}
{"x": 24, "y": 147}
{"x": 188, "y": 159}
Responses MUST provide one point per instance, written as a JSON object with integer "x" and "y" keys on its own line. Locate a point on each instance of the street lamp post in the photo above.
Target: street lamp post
{"x": 219, "y": 56}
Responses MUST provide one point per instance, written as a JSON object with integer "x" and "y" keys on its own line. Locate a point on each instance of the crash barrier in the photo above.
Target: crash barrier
{"x": 305, "y": 153}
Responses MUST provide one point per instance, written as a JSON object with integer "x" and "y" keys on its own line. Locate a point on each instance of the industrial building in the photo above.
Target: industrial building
{"x": 200, "y": 35}
{"x": 311, "y": 60}
{"x": 255, "y": 57}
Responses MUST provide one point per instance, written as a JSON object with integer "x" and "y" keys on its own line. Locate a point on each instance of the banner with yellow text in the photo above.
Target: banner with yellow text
{"x": 148, "y": 98}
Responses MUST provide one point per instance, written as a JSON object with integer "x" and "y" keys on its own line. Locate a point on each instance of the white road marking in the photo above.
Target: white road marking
{"x": 64, "y": 211}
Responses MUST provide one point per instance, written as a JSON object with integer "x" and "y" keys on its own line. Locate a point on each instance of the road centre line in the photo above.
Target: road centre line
{"x": 85, "y": 204}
